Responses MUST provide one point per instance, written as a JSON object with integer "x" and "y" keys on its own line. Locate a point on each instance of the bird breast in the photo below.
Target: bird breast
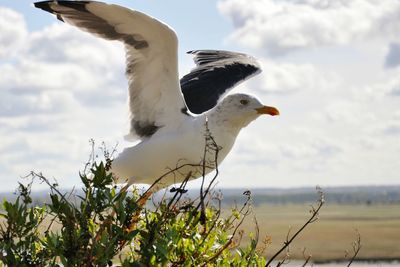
{"x": 178, "y": 153}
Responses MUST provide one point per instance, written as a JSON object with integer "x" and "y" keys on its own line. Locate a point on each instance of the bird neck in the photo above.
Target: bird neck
{"x": 219, "y": 119}
{"x": 223, "y": 134}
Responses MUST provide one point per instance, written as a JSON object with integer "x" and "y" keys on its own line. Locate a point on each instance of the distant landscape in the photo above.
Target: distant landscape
{"x": 373, "y": 211}
{"x": 333, "y": 195}
{"x": 368, "y": 195}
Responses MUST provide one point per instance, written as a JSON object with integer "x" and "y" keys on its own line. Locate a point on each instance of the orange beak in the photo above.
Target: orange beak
{"x": 267, "y": 110}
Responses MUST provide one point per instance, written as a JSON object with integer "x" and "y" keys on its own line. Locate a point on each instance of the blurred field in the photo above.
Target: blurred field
{"x": 330, "y": 236}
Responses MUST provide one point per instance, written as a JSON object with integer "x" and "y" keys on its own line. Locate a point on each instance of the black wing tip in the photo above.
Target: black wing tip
{"x": 45, "y": 5}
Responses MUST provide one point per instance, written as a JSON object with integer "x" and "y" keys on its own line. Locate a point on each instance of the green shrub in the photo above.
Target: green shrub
{"x": 102, "y": 225}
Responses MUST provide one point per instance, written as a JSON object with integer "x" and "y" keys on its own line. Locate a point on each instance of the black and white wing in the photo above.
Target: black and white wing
{"x": 216, "y": 72}
{"x": 155, "y": 98}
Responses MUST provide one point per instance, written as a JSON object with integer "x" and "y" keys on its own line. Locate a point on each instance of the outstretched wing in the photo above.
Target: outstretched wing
{"x": 216, "y": 72}
{"x": 155, "y": 98}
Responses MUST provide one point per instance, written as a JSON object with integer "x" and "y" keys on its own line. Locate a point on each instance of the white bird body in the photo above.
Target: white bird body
{"x": 163, "y": 108}
{"x": 161, "y": 150}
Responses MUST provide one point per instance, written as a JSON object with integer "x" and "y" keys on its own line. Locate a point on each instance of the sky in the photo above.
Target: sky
{"x": 331, "y": 67}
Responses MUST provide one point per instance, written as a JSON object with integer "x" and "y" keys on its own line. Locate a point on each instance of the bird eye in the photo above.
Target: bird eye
{"x": 244, "y": 102}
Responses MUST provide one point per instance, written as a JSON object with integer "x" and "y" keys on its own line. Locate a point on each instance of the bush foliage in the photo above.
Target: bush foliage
{"x": 103, "y": 225}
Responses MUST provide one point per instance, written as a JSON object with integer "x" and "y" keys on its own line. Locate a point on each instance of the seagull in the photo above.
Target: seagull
{"x": 172, "y": 119}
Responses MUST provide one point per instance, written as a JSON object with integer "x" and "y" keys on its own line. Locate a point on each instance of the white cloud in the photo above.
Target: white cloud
{"x": 330, "y": 131}
{"x": 12, "y": 31}
{"x": 80, "y": 68}
{"x": 40, "y": 102}
{"x": 60, "y": 89}
{"x": 388, "y": 85}
{"x": 63, "y": 43}
{"x": 339, "y": 112}
{"x": 277, "y": 27}
{"x": 284, "y": 78}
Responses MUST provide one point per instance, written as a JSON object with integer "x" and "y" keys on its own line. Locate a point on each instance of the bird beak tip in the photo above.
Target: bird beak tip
{"x": 268, "y": 110}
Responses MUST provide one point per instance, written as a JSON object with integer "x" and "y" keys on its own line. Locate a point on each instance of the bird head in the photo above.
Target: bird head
{"x": 241, "y": 109}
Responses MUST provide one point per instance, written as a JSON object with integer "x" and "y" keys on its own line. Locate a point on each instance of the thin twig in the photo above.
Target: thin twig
{"x": 356, "y": 247}
{"x": 313, "y": 218}
{"x": 210, "y": 146}
{"x": 306, "y": 258}
{"x": 179, "y": 191}
{"x": 253, "y": 249}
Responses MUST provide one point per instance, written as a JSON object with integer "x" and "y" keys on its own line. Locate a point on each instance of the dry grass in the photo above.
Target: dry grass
{"x": 333, "y": 234}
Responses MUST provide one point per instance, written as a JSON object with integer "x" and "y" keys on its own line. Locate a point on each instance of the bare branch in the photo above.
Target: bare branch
{"x": 306, "y": 258}
{"x": 313, "y": 218}
{"x": 210, "y": 147}
{"x": 356, "y": 247}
